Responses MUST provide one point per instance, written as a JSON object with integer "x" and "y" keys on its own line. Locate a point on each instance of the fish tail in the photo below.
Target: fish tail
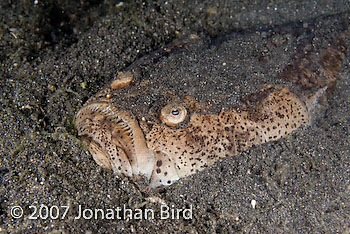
{"x": 318, "y": 67}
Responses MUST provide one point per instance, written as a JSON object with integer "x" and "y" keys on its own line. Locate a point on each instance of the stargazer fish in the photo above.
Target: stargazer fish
{"x": 180, "y": 110}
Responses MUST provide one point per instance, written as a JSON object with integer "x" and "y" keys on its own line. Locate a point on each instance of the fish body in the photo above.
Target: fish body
{"x": 181, "y": 136}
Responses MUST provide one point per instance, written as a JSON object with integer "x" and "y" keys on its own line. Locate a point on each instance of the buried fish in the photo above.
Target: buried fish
{"x": 168, "y": 126}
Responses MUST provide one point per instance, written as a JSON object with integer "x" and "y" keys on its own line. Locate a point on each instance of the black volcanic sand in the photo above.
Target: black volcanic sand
{"x": 55, "y": 55}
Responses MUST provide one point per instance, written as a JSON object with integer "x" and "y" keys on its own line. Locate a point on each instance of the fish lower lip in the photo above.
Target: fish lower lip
{"x": 115, "y": 139}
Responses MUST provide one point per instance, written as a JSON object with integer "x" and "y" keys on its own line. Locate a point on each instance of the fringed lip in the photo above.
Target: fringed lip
{"x": 115, "y": 139}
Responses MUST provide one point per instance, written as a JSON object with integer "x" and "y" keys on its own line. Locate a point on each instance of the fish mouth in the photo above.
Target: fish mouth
{"x": 115, "y": 139}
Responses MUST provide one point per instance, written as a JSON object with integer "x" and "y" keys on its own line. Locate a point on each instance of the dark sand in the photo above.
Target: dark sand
{"x": 54, "y": 56}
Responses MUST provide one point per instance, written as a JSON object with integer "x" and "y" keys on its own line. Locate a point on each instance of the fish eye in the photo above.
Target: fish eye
{"x": 173, "y": 114}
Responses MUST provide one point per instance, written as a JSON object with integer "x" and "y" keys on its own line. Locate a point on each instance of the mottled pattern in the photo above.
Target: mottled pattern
{"x": 210, "y": 137}
{"x": 186, "y": 138}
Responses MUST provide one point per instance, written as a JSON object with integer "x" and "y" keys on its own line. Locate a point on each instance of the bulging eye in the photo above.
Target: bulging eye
{"x": 173, "y": 114}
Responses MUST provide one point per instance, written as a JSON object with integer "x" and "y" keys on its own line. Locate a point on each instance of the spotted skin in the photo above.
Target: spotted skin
{"x": 207, "y": 138}
{"x": 184, "y": 138}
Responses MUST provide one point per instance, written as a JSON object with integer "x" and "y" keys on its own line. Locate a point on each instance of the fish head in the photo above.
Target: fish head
{"x": 136, "y": 143}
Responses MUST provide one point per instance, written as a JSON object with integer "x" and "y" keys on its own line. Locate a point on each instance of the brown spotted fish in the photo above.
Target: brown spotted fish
{"x": 146, "y": 123}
